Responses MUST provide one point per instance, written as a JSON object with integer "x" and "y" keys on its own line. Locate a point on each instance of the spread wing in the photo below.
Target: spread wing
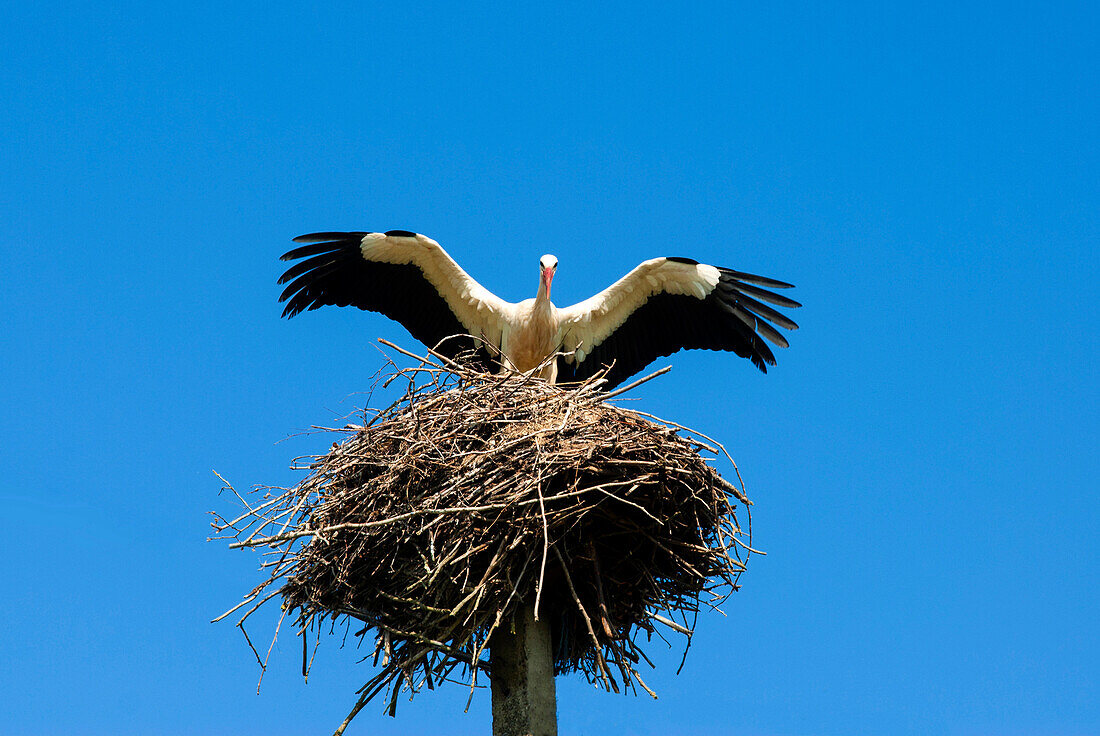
{"x": 669, "y": 304}
{"x": 406, "y": 276}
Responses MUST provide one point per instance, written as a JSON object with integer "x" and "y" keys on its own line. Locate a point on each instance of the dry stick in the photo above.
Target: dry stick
{"x": 367, "y": 694}
{"x": 681, "y": 427}
{"x": 253, "y": 512}
{"x": 683, "y": 658}
{"x": 545, "y": 546}
{"x": 672, "y": 624}
{"x": 448, "y": 362}
{"x": 316, "y": 646}
{"x": 604, "y": 618}
{"x": 248, "y": 599}
{"x": 644, "y": 686}
{"x": 632, "y": 488}
{"x": 253, "y": 648}
{"x": 305, "y": 654}
{"x": 635, "y": 384}
{"x": 254, "y": 608}
{"x": 587, "y": 621}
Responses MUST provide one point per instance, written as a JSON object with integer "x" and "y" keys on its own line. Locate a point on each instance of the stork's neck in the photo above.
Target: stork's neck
{"x": 542, "y": 298}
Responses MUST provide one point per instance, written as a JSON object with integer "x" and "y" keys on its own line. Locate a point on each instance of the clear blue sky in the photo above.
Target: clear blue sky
{"x": 923, "y": 460}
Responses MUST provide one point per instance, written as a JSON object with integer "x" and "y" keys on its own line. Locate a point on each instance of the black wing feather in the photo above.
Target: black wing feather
{"x": 763, "y": 310}
{"x": 758, "y": 280}
{"x": 335, "y": 273}
{"x": 762, "y": 294}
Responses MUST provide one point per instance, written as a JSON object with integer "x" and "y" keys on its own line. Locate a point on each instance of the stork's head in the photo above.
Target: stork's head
{"x": 548, "y": 264}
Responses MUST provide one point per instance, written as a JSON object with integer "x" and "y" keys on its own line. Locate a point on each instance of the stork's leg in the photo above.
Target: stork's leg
{"x": 549, "y": 371}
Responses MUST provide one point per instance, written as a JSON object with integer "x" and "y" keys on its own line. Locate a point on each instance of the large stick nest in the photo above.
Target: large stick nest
{"x": 475, "y": 494}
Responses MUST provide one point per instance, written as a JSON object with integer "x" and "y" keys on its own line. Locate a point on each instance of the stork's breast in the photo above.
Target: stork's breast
{"x": 530, "y": 344}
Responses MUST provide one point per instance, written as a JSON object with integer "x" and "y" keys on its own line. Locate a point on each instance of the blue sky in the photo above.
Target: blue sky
{"x": 923, "y": 460}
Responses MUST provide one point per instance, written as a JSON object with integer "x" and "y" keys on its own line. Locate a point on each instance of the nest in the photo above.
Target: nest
{"x": 435, "y": 519}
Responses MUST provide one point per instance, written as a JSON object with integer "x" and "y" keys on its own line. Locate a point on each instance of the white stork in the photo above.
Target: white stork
{"x": 663, "y": 305}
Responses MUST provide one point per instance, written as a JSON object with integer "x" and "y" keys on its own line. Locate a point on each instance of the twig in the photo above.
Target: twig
{"x": 635, "y": 384}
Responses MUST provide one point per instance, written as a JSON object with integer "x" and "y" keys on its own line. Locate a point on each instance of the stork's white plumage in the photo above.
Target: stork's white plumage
{"x": 663, "y": 305}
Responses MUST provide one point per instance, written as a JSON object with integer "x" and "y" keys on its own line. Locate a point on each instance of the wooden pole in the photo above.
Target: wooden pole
{"x": 522, "y": 675}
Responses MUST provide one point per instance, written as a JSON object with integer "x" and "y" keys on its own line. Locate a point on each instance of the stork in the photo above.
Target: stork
{"x": 662, "y": 306}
